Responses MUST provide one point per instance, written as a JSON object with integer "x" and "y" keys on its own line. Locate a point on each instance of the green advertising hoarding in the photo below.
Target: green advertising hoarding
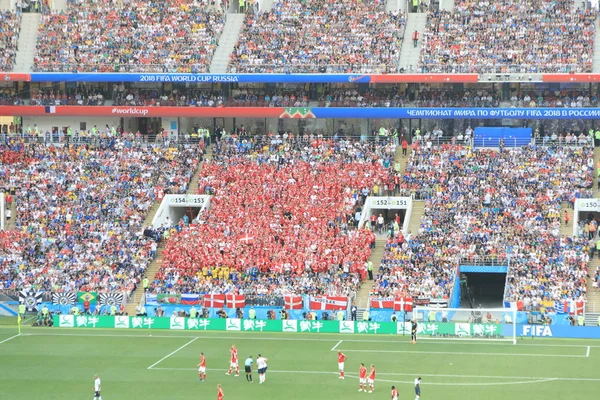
{"x": 253, "y": 325}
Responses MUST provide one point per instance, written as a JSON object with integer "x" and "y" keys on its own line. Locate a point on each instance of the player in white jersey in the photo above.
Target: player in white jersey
{"x": 97, "y": 388}
{"x": 261, "y": 365}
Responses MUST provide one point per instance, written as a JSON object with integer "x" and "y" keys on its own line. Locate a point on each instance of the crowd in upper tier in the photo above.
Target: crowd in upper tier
{"x": 320, "y": 36}
{"x": 129, "y": 36}
{"x": 281, "y": 219}
{"x": 310, "y": 36}
{"x": 509, "y": 36}
{"x": 80, "y": 210}
{"x": 10, "y": 26}
{"x": 486, "y": 206}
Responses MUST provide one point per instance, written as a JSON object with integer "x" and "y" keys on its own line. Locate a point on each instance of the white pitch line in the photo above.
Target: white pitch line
{"x": 530, "y": 378}
{"x": 335, "y": 347}
{"x": 587, "y": 353}
{"x": 216, "y": 336}
{"x": 462, "y": 353}
{"x": 170, "y": 354}
{"x": 467, "y": 383}
{"x": 12, "y": 337}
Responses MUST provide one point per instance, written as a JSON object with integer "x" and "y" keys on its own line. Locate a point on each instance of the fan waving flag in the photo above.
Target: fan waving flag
{"x": 235, "y": 300}
{"x": 214, "y": 300}
{"x": 292, "y": 302}
{"x": 190, "y": 299}
{"x": 63, "y": 299}
{"x": 328, "y": 303}
{"x": 381, "y": 302}
{"x": 246, "y": 239}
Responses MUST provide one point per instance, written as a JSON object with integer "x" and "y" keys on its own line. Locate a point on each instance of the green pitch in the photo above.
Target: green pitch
{"x": 52, "y": 363}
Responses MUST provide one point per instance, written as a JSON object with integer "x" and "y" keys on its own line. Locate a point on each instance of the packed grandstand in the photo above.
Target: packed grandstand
{"x": 285, "y": 214}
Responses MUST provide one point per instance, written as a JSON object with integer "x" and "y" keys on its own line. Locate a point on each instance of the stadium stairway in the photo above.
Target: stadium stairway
{"x": 409, "y": 55}
{"x": 593, "y": 295}
{"x": 596, "y": 57}
{"x": 136, "y": 296}
{"x": 10, "y": 224}
{"x": 6, "y": 5}
{"x": 59, "y": 5}
{"x": 418, "y": 209}
{"x": 27, "y": 41}
{"x": 393, "y": 5}
{"x": 227, "y": 41}
{"x": 266, "y": 5}
{"x": 579, "y": 4}
{"x": 596, "y": 159}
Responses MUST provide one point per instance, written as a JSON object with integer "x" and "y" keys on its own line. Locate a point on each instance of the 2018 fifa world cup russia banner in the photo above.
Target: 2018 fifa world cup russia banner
{"x": 251, "y": 325}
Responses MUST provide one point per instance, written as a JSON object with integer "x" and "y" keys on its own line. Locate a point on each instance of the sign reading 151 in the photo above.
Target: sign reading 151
{"x": 389, "y": 202}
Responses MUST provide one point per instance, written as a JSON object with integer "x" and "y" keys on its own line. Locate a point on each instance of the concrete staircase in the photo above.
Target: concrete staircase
{"x": 10, "y": 224}
{"x": 596, "y": 57}
{"x": 596, "y": 159}
{"x": 418, "y": 209}
{"x": 137, "y": 295}
{"x": 409, "y": 55}
{"x": 446, "y": 5}
{"x": 27, "y": 41}
{"x": 59, "y": 5}
{"x": 395, "y": 5}
{"x": 579, "y": 4}
{"x": 593, "y": 295}
{"x": 227, "y": 41}
{"x": 6, "y": 5}
{"x": 266, "y": 5}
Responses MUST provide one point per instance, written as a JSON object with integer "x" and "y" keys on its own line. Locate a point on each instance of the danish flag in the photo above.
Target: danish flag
{"x": 247, "y": 239}
{"x": 293, "y": 302}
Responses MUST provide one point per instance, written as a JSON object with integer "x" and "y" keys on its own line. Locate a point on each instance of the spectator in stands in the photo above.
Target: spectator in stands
{"x": 523, "y": 222}
{"x": 518, "y": 36}
{"x": 360, "y": 37}
{"x": 135, "y": 36}
{"x": 10, "y": 26}
{"x": 80, "y": 210}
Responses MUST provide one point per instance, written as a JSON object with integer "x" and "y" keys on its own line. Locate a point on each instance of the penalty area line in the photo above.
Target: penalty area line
{"x": 465, "y": 354}
{"x": 340, "y": 342}
{"x": 170, "y": 354}
{"x": 587, "y": 353}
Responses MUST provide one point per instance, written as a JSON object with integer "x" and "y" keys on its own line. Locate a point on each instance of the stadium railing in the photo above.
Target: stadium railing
{"x": 505, "y": 68}
{"x": 153, "y": 68}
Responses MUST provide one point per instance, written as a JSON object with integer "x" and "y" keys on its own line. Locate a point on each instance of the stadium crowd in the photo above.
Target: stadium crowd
{"x": 132, "y": 36}
{"x": 557, "y": 98}
{"x": 518, "y": 36}
{"x": 319, "y": 36}
{"x": 80, "y": 210}
{"x": 484, "y": 206}
{"x": 281, "y": 220}
{"x": 10, "y": 26}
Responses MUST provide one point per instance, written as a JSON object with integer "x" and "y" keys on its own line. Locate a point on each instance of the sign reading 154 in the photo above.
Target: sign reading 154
{"x": 184, "y": 200}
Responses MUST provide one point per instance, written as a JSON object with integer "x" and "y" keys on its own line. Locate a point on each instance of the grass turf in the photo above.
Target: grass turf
{"x": 52, "y": 363}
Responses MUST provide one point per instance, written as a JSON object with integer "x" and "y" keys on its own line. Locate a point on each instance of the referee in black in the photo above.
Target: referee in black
{"x": 413, "y": 332}
{"x": 248, "y": 368}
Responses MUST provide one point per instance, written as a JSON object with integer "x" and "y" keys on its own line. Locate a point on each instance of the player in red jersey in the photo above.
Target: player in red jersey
{"x": 362, "y": 378}
{"x": 202, "y": 368}
{"x": 341, "y": 359}
{"x": 394, "y": 393}
{"x": 234, "y": 362}
{"x": 220, "y": 394}
{"x": 371, "y": 379}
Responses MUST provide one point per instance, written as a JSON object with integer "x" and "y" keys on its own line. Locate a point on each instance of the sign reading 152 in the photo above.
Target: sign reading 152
{"x": 389, "y": 202}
